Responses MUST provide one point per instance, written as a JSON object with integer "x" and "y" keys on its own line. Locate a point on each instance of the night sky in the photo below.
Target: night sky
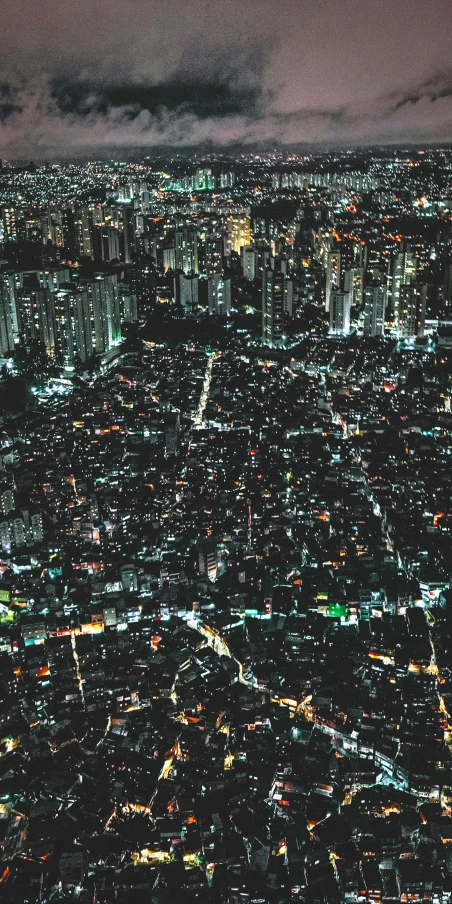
{"x": 93, "y": 74}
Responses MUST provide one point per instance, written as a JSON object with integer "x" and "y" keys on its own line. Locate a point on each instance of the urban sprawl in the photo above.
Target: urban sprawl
{"x": 226, "y": 529}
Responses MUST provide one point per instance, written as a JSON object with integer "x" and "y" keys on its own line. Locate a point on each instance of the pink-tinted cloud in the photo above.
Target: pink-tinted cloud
{"x": 77, "y": 74}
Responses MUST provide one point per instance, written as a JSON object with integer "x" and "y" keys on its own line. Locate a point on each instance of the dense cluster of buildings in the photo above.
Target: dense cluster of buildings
{"x": 226, "y": 542}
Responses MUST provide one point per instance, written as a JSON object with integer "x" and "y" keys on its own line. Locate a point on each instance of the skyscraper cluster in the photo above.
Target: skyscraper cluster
{"x": 73, "y": 319}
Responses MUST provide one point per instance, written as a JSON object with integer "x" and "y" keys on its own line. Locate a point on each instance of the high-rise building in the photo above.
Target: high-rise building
{"x": 104, "y": 312}
{"x": 239, "y": 232}
{"x": 169, "y": 259}
{"x": 259, "y": 227}
{"x": 340, "y": 304}
{"x": 187, "y": 249}
{"x": 73, "y": 325}
{"x": 404, "y": 273}
{"x": 447, "y": 284}
{"x": 125, "y": 193}
{"x": 263, "y": 257}
{"x": 226, "y": 180}
{"x": 53, "y": 279}
{"x": 37, "y": 317}
{"x": 186, "y": 291}
{"x": 9, "y": 224}
{"x": 333, "y": 275}
{"x": 128, "y": 233}
{"x": 411, "y": 311}
{"x": 248, "y": 254}
{"x": 203, "y": 180}
{"x": 219, "y": 295}
{"x": 6, "y": 326}
{"x": 83, "y": 233}
{"x": 214, "y": 254}
{"x": 127, "y": 304}
{"x": 142, "y": 279}
{"x": 8, "y": 292}
{"x": 276, "y": 306}
{"x": 375, "y": 299}
{"x": 106, "y": 243}
{"x": 354, "y": 284}
{"x": 288, "y": 296}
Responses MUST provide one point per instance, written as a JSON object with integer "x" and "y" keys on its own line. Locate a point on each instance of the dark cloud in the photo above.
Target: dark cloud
{"x": 8, "y": 106}
{"x": 7, "y": 110}
{"x": 147, "y": 73}
{"x": 212, "y": 97}
{"x": 432, "y": 89}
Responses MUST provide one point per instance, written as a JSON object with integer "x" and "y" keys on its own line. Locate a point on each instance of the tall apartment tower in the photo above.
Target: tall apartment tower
{"x": 411, "y": 313}
{"x": 375, "y": 299}
{"x": 73, "y": 324}
{"x": 104, "y": 312}
{"x": 340, "y": 305}
{"x": 36, "y": 312}
{"x": 8, "y": 291}
{"x": 6, "y": 325}
{"x": 333, "y": 276}
{"x": 239, "y": 232}
{"x": 219, "y": 295}
{"x": 404, "y": 273}
{"x": 214, "y": 254}
{"x": 354, "y": 284}
{"x": 186, "y": 256}
{"x": 186, "y": 290}
{"x": 248, "y": 254}
{"x": 276, "y": 306}
{"x": 447, "y": 284}
{"x": 83, "y": 233}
